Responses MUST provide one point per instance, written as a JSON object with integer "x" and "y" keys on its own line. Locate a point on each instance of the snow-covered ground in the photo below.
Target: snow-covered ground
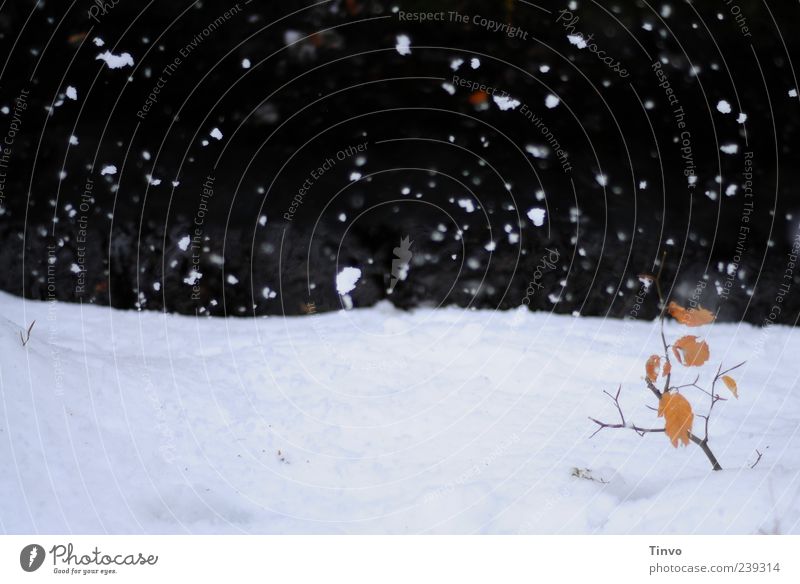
{"x": 376, "y": 421}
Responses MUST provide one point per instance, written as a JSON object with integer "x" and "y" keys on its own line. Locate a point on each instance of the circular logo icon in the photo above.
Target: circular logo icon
{"x": 31, "y": 557}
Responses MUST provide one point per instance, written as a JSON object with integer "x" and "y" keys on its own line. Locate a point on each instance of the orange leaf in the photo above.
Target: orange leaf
{"x": 652, "y": 366}
{"x": 691, "y": 317}
{"x": 690, "y": 352}
{"x": 730, "y": 383}
{"x": 667, "y": 368}
{"x": 678, "y": 417}
{"x": 478, "y": 98}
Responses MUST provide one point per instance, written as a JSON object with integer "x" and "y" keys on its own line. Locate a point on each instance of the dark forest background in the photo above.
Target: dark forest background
{"x": 326, "y": 76}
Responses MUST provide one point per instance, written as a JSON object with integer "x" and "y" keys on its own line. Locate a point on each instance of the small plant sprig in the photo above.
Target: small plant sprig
{"x": 688, "y": 351}
{"x": 27, "y": 336}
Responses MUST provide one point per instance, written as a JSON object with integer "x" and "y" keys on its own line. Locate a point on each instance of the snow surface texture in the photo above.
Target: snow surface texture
{"x": 376, "y": 421}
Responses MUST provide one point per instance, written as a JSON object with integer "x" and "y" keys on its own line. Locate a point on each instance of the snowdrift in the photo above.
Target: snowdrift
{"x": 378, "y": 421}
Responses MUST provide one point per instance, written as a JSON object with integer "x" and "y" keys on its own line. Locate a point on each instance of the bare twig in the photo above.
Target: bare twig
{"x": 760, "y": 454}
{"x": 27, "y": 336}
{"x": 603, "y": 425}
{"x": 661, "y": 315}
{"x": 586, "y": 474}
{"x": 703, "y": 444}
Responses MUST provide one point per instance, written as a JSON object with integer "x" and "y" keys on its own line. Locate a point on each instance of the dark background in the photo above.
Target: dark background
{"x": 345, "y": 83}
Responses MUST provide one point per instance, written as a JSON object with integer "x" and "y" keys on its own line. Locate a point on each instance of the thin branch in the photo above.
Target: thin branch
{"x": 603, "y": 425}
{"x": 760, "y": 454}
{"x": 732, "y": 368}
{"x": 654, "y": 389}
{"x": 27, "y": 336}
{"x": 692, "y": 384}
{"x": 702, "y": 443}
{"x": 638, "y": 429}
{"x": 616, "y": 402}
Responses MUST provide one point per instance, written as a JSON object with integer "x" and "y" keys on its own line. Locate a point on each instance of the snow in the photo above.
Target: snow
{"x": 346, "y": 280}
{"x": 403, "y": 45}
{"x": 73, "y": 140}
{"x": 245, "y": 63}
{"x": 193, "y": 278}
{"x": 723, "y": 107}
{"x": 72, "y": 93}
{"x": 291, "y": 37}
{"x": 537, "y": 215}
{"x": 116, "y": 61}
{"x": 793, "y": 92}
{"x": 216, "y": 133}
{"x": 467, "y": 205}
{"x": 184, "y": 242}
{"x": 551, "y": 101}
{"x": 577, "y": 40}
{"x": 108, "y": 169}
{"x": 537, "y": 151}
{"x": 475, "y": 63}
{"x": 742, "y": 118}
{"x": 378, "y": 421}
{"x": 729, "y": 148}
{"x": 506, "y": 102}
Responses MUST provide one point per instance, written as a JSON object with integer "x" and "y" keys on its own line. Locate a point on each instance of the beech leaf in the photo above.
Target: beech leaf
{"x": 730, "y": 383}
{"x": 651, "y": 368}
{"x": 691, "y": 352}
{"x": 678, "y": 417}
{"x": 690, "y": 317}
